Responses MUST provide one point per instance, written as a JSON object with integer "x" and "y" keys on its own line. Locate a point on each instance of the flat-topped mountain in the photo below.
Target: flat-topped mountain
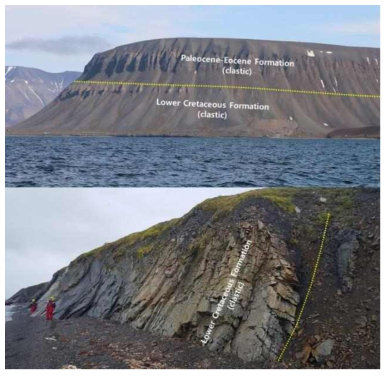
{"x": 125, "y": 92}
{"x": 28, "y": 90}
{"x": 244, "y": 263}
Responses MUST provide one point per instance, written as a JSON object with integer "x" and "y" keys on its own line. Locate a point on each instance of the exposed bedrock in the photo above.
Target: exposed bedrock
{"x": 25, "y": 295}
{"x": 170, "y": 279}
{"x": 348, "y": 246}
{"x": 117, "y": 109}
{"x": 174, "y": 293}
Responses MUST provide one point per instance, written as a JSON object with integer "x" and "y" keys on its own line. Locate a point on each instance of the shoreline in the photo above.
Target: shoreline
{"x": 190, "y": 137}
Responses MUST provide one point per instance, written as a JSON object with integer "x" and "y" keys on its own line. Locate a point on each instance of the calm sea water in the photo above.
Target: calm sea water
{"x": 8, "y": 313}
{"x": 189, "y": 162}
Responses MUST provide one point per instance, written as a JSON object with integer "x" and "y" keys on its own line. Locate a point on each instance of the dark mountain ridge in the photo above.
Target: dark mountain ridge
{"x": 25, "y": 295}
{"x": 117, "y": 108}
{"x": 28, "y": 90}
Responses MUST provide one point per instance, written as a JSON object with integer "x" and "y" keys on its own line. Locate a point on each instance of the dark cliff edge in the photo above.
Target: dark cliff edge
{"x": 25, "y": 295}
{"x": 169, "y": 279}
{"x": 131, "y": 110}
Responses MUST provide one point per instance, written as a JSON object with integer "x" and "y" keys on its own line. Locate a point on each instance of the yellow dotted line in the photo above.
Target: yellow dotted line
{"x": 206, "y": 86}
{"x": 308, "y": 290}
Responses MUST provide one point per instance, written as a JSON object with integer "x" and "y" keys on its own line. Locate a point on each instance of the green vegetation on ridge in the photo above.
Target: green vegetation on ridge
{"x": 282, "y": 197}
{"x": 121, "y": 246}
{"x": 339, "y": 201}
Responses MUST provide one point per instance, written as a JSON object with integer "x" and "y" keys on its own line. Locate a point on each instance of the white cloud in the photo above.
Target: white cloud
{"x": 67, "y": 45}
{"x": 117, "y": 25}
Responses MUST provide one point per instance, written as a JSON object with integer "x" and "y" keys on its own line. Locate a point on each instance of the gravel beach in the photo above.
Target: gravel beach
{"x": 34, "y": 343}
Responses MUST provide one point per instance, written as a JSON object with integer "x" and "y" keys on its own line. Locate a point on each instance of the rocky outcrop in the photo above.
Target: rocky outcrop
{"x": 25, "y": 295}
{"x": 346, "y": 257}
{"x": 118, "y": 109}
{"x": 241, "y": 250}
{"x": 170, "y": 279}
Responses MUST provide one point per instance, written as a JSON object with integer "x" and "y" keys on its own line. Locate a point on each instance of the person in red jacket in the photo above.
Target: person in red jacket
{"x": 50, "y": 307}
{"x": 33, "y": 306}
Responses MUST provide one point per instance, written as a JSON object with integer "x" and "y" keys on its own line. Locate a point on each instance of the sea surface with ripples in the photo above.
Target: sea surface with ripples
{"x": 189, "y": 162}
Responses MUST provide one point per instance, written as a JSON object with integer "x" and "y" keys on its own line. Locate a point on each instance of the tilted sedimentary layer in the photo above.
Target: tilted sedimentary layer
{"x": 170, "y": 279}
{"x": 95, "y": 107}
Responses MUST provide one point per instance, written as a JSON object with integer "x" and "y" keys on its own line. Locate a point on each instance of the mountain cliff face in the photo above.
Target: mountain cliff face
{"x": 28, "y": 90}
{"x": 25, "y": 295}
{"x": 120, "y": 109}
{"x": 171, "y": 278}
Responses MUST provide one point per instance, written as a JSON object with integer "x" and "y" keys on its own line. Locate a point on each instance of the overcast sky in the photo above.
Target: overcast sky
{"x": 47, "y": 228}
{"x": 59, "y": 38}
